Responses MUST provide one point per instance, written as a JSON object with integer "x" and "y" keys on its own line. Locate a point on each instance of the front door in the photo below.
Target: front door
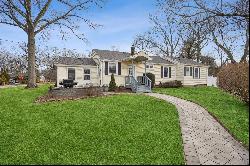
{"x": 131, "y": 70}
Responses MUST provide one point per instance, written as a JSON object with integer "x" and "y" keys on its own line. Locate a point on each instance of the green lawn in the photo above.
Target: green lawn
{"x": 231, "y": 112}
{"x": 124, "y": 129}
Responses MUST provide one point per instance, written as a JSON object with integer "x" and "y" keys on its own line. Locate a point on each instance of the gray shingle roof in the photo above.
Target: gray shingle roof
{"x": 158, "y": 59}
{"x": 187, "y": 61}
{"x": 75, "y": 61}
{"x": 116, "y": 55}
{"x": 111, "y": 55}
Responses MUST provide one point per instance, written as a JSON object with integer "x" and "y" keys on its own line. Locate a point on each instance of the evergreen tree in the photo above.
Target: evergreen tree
{"x": 4, "y": 77}
{"x": 112, "y": 84}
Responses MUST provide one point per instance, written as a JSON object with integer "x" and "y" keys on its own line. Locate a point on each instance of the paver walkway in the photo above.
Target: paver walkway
{"x": 205, "y": 141}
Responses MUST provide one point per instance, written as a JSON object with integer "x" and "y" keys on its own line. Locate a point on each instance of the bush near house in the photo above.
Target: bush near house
{"x": 171, "y": 84}
{"x": 234, "y": 78}
{"x": 151, "y": 76}
{"x": 4, "y": 77}
{"x": 22, "y": 78}
{"x": 112, "y": 84}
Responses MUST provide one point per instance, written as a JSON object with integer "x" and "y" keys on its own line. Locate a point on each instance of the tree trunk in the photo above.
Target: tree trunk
{"x": 31, "y": 60}
{"x": 227, "y": 51}
{"x": 246, "y": 49}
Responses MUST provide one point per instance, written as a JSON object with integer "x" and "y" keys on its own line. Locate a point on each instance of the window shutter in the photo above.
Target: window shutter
{"x": 106, "y": 68}
{"x": 119, "y": 68}
{"x": 169, "y": 69}
{"x": 199, "y": 73}
{"x": 191, "y": 71}
{"x": 161, "y": 71}
{"x": 184, "y": 71}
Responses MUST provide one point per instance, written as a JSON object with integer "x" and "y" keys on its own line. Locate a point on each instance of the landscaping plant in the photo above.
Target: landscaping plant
{"x": 4, "y": 77}
{"x": 112, "y": 84}
{"x": 234, "y": 78}
{"x": 171, "y": 84}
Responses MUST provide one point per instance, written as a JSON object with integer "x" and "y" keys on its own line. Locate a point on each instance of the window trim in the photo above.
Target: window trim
{"x": 86, "y": 74}
{"x": 198, "y": 73}
{"x": 74, "y": 70}
{"x": 189, "y": 71}
{"x": 116, "y": 68}
{"x": 168, "y": 71}
{"x": 149, "y": 66}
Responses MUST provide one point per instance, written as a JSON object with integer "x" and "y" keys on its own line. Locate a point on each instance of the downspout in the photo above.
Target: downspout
{"x": 133, "y": 68}
{"x": 101, "y": 73}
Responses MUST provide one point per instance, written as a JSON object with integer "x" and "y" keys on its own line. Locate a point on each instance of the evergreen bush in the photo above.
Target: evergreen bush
{"x": 112, "y": 84}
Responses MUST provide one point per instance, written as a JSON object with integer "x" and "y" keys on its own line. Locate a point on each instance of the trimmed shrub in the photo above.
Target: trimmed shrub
{"x": 112, "y": 84}
{"x": 4, "y": 78}
{"x": 171, "y": 84}
{"x": 151, "y": 76}
{"x": 234, "y": 78}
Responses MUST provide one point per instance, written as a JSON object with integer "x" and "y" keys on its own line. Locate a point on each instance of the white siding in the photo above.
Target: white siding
{"x": 156, "y": 70}
{"x": 177, "y": 73}
{"x": 119, "y": 79}
{"x": 62, "y": 73}
{"x": 190, "y": 81}
{"x": 180, "y": 72}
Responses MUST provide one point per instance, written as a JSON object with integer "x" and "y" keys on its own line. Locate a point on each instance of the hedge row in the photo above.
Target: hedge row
{"x": 234, "y": 78}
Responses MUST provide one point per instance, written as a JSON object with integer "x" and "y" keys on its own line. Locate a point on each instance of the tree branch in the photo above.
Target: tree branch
{"x": 64, "y": 16}
{"x": 42, "y": 12}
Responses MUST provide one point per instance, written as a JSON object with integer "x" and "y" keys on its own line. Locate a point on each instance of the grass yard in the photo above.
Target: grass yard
{"x": 124, "y": 129}
{"x": 231, "y": 112}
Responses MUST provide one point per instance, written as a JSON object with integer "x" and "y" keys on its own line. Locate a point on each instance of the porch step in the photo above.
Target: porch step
{"x": 143, "y": 88}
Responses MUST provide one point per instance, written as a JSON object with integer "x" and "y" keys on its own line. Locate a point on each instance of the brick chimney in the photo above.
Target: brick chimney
{"x": 133, "y": 50}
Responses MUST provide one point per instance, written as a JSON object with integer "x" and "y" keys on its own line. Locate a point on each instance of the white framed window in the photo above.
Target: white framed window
{"x": 165, "y": 72}
{"x": 86, "y": 73}
{"x": 196, "y": 72}
{"x": 149, "y": 66}
{"x": 112, "y": 68}
{"x": 188, "y": 71}
{"x": 71, "y": 73}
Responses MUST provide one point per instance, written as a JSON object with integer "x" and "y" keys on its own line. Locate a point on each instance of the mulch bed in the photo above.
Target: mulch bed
{"x": 61, "y": 94}
{"x": 123, "y": 90}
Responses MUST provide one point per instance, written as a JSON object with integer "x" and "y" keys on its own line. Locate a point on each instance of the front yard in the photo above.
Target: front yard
{"x": 231, "y": 112}
{"x": 121, "y": 129}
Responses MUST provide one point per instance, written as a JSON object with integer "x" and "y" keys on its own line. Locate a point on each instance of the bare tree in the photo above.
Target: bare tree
{"x": 37, "y": 16}
{"x": 163, "y": 38}
{"x": 227, "y": 21}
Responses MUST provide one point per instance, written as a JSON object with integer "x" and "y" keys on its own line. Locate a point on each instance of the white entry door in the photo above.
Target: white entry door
{"x": 131, "y": 70}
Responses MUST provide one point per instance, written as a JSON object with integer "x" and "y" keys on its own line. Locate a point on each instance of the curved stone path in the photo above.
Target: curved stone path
{"x": 205, "y": 141}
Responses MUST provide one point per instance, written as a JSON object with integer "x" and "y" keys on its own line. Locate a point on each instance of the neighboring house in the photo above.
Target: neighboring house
{"x": 129, "y": 69}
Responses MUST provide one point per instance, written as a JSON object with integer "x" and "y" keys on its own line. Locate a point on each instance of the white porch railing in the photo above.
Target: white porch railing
{"x": 130, "y": 80}
{"x": 141, "y": 81}
{"x": 144, "y": 80}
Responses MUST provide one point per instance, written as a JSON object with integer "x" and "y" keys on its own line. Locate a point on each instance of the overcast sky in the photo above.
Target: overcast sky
{"x": 122, "y": 20}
